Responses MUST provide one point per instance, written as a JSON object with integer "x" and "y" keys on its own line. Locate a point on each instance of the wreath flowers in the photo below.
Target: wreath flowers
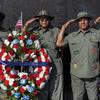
{"x": 24, "y": 66}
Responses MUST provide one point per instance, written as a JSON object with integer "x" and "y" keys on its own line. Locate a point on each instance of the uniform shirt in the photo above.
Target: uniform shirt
{"x": 84, "y": 48}
{"x": 48, "y": 40}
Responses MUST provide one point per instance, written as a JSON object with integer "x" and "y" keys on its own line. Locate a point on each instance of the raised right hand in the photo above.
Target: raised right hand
{"x": 31, "y": 20}
{"x": 64, "y": 26}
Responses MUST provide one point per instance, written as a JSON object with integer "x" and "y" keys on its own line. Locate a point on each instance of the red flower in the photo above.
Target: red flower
{"x": 39, "y": 59}
{"x": 6, "y": 83}
{"x": 15, "y": 84}
{"x": 3, "y": 48}
{"x": 21, "y": 37}
{"x": 30, "y": 51}
{"x": 30, "y": 59}
{"x": 7, "y": 57}
{"x": 0, "y": 67}
{"x": 24, "y": 76}
{"x": 26, "y": 33}
{"x": 16, "y": 46}
{"x": 33, "y": 37}
{"x": 10, "y": 38}
{"x": 36, "y": 52}
{"x": 8, "y": 69}
{"x": 13, "y": 76}
{"x": 42, "y": 50}
{"x": 2, "y": 78}
{"x": 43, "y": 79}
{"x": 11, "y": 53}
{"x": 47, "y": 72}
{"x": 25, "y": 49}
{"x": 22, "y": 90}
{"x": 33, "y": 76}
{"x": 40, "y": 69}
{"x": 38, "y": 82}
{"x": 1, "y": 72}
{"x": 36, "y": 92}
{"x": 45, "y": 55}
{"x": 8, "y": 93}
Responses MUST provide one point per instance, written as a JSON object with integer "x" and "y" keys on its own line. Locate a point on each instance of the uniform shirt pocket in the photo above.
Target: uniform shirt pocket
{"x": 75, "y": 47}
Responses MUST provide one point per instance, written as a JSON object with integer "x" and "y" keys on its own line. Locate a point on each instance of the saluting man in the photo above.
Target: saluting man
{"x": 85, "y": 62}
{"x": 54, "y": 87}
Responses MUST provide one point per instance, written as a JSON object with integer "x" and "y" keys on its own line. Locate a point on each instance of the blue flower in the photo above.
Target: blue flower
{"x": 31, "y": 89}
{"x": 17, "y": 95}
{"x": 26, "y": 97}
{"x": 15, "y": 41}
{"x": 23, "y": 81}
{"x": 29, "y": 42}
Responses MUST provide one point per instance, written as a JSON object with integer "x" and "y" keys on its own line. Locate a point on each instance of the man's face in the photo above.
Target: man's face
{"x": 83, "y": 23}
{"x": 44, "y": 22}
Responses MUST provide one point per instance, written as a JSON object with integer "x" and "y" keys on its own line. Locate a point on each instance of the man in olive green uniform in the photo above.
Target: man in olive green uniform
{"x": 84, "y": 48}
{"x": 54, "y": 87}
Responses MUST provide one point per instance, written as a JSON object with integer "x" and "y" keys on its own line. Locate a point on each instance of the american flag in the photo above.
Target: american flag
{"x": 19, "y": 23}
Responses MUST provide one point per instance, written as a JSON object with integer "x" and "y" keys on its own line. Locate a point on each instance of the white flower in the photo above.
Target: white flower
{"x": 24, "y": 87}
{"x": 36, "y": 60}
{"x": 41, "y": 74}
{"x": 11, "y": 81}
{"x": 0, "y": 50}
{"x": 44, "y": 68}
{"x": 6, "y": 42}
{"x": 36, "y": 69}
{"x": 26, "y": 55}
{"x": 20, "y": 74}
{"x": 14, "y": 49}
{"x": 3, "y": 58}
{"x": 3, "y": 67}
{"x": 33, "y": 84}
{"x": 42, "y": 85}
{"x": 4, "y": 72}
{"x": 46, "y": 77}
{"x": 22, "y": 44}
{"x": 15, "y": 88}
{"x": 27, "y": 86}
{"x": 3, "y": 87}
{"x": 25, "y": 36}
{"x": 12, "y": 92}
{"x": 37, "y": 78}
{"x": 11, "y": 45}
{"x": 5, "y": 54}
{"x": 6, "y": 75}
{"x": 37, "y": 44}
{"x": 21, "y": 41}
{"x": 14, "y": 33}
{"x": 9, "y": 34}
{"x": 42, "y": 57}
{"x": 33, "y": 55}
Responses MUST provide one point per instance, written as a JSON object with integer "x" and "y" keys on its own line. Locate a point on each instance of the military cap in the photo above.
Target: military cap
{"x": 83, "y": 14}
{"x": 44, "y": 13}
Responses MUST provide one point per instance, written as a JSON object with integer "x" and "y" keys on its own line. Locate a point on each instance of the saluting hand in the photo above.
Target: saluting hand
{"x": 97, "y": 20}
{"x": 31, "y": 20}
{"x": 64, "y": 26}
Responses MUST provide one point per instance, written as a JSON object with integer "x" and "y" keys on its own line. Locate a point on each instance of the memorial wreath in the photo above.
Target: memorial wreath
{"x": 25, "y": 66}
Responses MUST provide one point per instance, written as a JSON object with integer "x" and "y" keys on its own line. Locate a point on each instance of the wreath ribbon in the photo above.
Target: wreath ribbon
{"x": 25, "y": 63}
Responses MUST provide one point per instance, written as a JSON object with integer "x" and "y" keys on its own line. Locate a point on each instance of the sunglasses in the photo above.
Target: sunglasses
{"x": 44, "y": 18}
